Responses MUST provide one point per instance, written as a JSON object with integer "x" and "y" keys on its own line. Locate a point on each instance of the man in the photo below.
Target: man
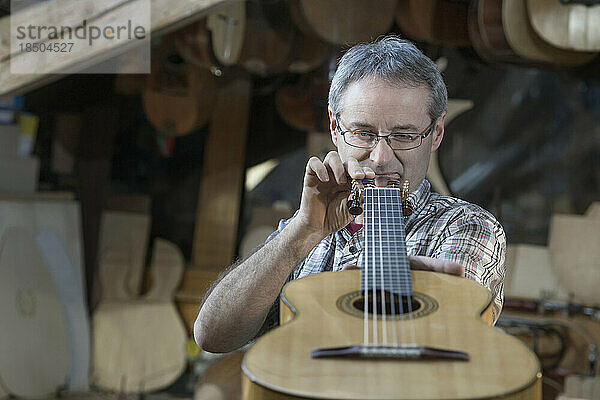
{"x": 387, "y": 104}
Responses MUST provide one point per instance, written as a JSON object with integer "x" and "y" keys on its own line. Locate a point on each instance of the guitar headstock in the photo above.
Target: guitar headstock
{"x": 357, "y": 195}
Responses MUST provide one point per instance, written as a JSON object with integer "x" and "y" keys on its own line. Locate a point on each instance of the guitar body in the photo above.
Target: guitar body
{"x": 314, "y": 314}
{"x": 439, "y": 22}
{"x": 523, "y": 39}
{"x": 568, "y": 26}
{"x": 487, "y": 32}
{"x": 355, "y": 20}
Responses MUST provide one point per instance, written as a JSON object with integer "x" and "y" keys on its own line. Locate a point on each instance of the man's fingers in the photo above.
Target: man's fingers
{"x": 317, "y": 168}
{"x": 356, "y": 171}
{"x": 350, "y": 266}
{"x": 424, "y": 263}
{"x": 334, "y": 162}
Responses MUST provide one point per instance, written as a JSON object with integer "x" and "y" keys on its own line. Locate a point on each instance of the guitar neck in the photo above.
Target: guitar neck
{"x": 385, "y": 261}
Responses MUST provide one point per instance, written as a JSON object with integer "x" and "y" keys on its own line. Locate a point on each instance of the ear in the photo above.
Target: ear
{"x": 332, "y": 126}
{"x": 438, "y": 133}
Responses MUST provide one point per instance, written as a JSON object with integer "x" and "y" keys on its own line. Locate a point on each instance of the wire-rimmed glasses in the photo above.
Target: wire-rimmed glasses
{"x": 397, "y": 141}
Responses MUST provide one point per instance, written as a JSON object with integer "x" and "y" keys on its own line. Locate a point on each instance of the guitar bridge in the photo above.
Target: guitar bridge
{"x": 408, "y": 353}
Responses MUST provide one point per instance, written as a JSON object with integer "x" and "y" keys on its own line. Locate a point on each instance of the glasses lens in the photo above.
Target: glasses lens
{"x": 405, "y": 142}
{"x": 363, "y": 140}
{"x": 368, "y": 140}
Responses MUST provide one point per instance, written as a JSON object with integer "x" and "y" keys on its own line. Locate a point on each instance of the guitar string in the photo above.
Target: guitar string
{"x": 397, "y": 272}
{"x": 392, "y": 275}
{"x": 381, "y": 272}
{"x": 399, "y": 266}
{"x": 365, "y": 273}
{"x": 374, "y": 277}
{"x": 370, "y": 268}
{"x": 409, "y": 296}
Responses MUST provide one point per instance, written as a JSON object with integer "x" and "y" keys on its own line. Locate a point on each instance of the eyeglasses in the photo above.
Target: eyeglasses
{"x": 397, "y": 141}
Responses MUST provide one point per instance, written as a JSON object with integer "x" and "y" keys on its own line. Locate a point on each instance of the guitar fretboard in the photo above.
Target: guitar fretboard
{"x": 385, "y": 260}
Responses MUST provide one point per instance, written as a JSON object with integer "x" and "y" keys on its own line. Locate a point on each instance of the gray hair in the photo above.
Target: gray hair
{"x": 397, "y": 62}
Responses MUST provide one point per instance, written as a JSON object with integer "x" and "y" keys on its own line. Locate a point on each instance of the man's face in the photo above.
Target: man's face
{"x": 376, "y": 106}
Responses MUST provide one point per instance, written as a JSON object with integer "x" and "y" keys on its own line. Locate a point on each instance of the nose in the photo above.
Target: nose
{"x": 382, "y": 153}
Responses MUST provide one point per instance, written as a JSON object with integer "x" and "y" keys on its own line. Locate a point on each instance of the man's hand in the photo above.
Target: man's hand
{"x": 423, "y": 263}
{"x": 323, "y": 207}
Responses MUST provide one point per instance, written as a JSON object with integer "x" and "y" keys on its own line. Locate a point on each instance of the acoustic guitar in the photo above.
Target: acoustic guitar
{"x": 440, "y": 22}
{"x": 523, "y": 39}
{"x": 384, "y": 332}
{"x": 178, "y": 97}
{"x": 487, "y": 33}
{"x": 568, "y": 24}
{"x": 342, "y": 22}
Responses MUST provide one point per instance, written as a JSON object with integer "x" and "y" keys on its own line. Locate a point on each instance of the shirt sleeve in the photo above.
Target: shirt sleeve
{"x": 477, "y": 241}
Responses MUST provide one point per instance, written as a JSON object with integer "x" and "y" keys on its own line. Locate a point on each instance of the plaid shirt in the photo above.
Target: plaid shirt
{"x": 440, "y": 226}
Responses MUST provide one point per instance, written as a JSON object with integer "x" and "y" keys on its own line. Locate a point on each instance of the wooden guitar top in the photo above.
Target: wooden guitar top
{"x": 139, "y": 342}
{"x": 34, "y": 343}
{"x": 280, "y": 361}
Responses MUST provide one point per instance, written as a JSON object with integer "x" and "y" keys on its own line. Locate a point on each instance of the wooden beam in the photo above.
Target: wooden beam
{"x": 220, "y": 194}
{"x": 166, "y": 15}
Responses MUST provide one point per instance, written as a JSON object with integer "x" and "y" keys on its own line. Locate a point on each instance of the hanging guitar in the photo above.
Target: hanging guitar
{"x": 567, "y": 24}
{"x": 386, "y": 332}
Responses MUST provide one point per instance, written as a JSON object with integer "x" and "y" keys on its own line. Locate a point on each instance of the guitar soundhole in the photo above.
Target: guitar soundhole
{"x": 420, "y": 305}
{"x": 395, "y": 303}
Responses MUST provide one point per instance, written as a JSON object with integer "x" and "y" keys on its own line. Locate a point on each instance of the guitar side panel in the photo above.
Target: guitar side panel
{"x": 254, "y": 391}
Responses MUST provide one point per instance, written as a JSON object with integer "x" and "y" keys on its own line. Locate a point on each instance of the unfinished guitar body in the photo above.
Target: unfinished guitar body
{"x": 318, "y": 312}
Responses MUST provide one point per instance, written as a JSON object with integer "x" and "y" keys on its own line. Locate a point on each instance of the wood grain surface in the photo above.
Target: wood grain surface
{"x": 499, "y": 365}
{"x": 219, "y": 199}
{"x": 34, "y": 341}
{"x": 165, "y": 16}
{"x": 573, "y": 26}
